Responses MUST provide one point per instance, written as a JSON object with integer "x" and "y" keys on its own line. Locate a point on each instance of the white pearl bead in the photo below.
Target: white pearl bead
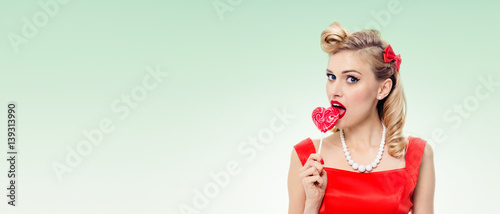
{"x": 355, "y": 166}
{"x": 379, "y": 156}
{"x": 374, "y": 164}
{"x": 369, "y": 168}
{"x": 351, "y": 162}
{"x": 381, "y": 149}
{"x": 380, "y": 153}
{"x": 345, "y": 149}
{"x": 347, "y": 154}
{"x": 377, "y": 161}
{"x": 348, "y": 158}
{"x": 361, "y": 168}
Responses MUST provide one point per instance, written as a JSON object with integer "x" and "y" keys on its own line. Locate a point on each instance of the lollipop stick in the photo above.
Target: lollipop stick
{"x": 320, "y": 142}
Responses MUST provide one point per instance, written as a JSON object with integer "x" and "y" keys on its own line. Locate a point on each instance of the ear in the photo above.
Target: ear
{"x": 384, "y": 88}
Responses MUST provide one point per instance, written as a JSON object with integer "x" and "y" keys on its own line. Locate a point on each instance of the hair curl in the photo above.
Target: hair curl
{"x": 368, "y": 45}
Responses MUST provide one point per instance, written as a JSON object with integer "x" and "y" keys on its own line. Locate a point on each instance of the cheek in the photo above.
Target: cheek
{"x": 361, "y": 95}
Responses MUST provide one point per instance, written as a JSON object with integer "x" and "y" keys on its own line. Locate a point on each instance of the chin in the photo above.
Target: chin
{"x": 344, "y": 123}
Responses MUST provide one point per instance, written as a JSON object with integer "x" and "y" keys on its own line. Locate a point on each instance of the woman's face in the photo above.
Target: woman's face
{"x": 352, "y": 83}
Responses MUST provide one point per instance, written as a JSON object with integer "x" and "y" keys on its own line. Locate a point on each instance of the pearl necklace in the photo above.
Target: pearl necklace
{"x": 368, "y": 167}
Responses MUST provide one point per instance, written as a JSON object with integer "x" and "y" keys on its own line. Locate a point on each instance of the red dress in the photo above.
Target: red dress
{"x": 389, "y": 191}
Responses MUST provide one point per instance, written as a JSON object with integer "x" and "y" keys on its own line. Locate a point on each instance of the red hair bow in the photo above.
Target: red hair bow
{"x": 390, "y": 56}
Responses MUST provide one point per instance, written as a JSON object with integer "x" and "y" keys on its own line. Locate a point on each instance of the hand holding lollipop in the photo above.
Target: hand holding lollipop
{"x": 325, "y": 119}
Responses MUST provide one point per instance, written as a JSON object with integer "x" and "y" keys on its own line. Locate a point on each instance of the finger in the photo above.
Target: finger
{"x": 320, "y": 181}
{"x": 315, "y": 164}
{"x": 306, "y": 166}
{"x": 311, "y": 181}
{"x": 318, "y": 166}
{"x": 315, "y": 157}
{"x": 324, "y": 178}
{"x": 309, "y": 172}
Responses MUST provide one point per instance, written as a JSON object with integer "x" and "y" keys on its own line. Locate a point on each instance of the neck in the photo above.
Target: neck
{"x": 365, "y": 134}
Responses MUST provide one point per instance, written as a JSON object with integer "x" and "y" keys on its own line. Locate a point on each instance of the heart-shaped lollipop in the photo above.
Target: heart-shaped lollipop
{"x": 325, "y": 118}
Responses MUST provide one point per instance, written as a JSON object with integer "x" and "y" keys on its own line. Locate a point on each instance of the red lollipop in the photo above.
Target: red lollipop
{"x": 325, "y": 119}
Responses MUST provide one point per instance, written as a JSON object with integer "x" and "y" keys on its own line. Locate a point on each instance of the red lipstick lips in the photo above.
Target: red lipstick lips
{"x": 340, "y": 107}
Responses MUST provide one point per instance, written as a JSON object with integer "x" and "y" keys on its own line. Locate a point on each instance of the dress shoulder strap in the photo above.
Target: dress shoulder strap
{"x": 304, "y": 148}
{"x": 414, "y": 156}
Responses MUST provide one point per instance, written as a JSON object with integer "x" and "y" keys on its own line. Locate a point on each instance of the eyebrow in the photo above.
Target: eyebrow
{"x": 346, "y": 71}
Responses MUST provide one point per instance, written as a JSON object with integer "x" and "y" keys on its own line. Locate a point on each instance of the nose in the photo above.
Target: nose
{"x": 334, "y": 89}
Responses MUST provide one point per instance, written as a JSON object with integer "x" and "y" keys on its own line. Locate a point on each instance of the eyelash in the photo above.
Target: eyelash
{"x": 354, "y": 78}
{"x": 349, "y": 77}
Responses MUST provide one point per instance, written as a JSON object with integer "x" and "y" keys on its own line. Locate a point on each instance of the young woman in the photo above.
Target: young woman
{"x": 366, "y": 165}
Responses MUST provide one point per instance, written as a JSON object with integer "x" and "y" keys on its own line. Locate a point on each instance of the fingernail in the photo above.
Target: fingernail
{"x": 322, "y": 162}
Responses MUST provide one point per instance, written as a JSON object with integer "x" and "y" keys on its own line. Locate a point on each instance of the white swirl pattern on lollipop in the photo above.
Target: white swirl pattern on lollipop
{"x": 325, "y": 119}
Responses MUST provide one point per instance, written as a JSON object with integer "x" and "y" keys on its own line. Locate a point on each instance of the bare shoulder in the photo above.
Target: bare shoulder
{"x": 424, "y": 191}
{"x": 428, "y": 152}
{"x": 427, "y": 164}
{"x": 294, "y": 158}
{"x": 295, "y": 162}
{"x": 427, "y": 149}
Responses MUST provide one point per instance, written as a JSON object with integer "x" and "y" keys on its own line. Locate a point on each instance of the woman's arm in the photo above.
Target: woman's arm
{"x": 423, "y": 196}
{"x": 296, "y": 194}
{"x": 297, "y": 203}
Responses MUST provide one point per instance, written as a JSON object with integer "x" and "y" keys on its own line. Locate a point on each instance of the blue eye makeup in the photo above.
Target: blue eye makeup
{"x": 331, "y": 76}
{"x": 352, "y": 79}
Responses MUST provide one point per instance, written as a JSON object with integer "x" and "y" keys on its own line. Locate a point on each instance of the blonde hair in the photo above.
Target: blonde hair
{"x": 368, "y": 45}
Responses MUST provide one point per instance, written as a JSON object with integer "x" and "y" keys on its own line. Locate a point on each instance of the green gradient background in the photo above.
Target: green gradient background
{"x": 226, "y": 78}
